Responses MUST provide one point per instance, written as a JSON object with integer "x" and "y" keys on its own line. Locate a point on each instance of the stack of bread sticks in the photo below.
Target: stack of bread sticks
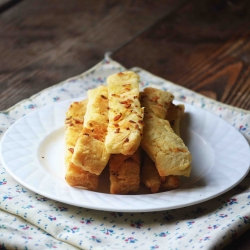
{"x": 134, "y": 134}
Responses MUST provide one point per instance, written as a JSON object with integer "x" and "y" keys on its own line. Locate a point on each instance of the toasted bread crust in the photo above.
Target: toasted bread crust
{"x": 90, "y": 152}
{"x": 157, "y": 101}
{"x": 165, "y": 148}
{"x": 125, "y": 114}
{"x": 108, "y": 128}
{"x": 75, "y": 176}
{"x": 170, "y": 182}
{"x": 124, "y": 173}
{"x": 149, "y": 174}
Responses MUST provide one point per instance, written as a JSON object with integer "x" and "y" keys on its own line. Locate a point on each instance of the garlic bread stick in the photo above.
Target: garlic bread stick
{"x": 149, "y": 174}
{"x": 125, "y": 125}
{"x": 124, "y": 173}
{"x": 90, "y": 153}
{"x": 75, "y": 176}
{"x": 164, "y": 147}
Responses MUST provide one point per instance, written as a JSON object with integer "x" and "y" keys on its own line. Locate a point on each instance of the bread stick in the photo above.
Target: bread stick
{"x": 75, "y": 176}
{"x": 157, "y": 101}
{"x": 169, "y": 183}
{"x": 90, "y": 153}
{"x": 149, "y": 174}
{"x": 124, "y": 173}
{"x": 125, "y": 125}
{"x": 174, "y": 113}
{"x": 165, "y": 148}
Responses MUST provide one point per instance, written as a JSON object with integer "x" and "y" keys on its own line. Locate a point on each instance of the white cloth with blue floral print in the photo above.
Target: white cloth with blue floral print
{"x": 31, "y": 221}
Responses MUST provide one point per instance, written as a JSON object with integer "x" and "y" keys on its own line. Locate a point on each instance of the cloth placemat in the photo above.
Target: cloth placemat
{"x": 31, "y": 221}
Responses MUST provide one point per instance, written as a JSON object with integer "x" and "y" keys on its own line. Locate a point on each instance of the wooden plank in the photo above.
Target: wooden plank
{"x": 3, "y": 2}
{"x": 6, "y": 4}
{"x": 44, "y": 42}
{"x": 207, "y": 49}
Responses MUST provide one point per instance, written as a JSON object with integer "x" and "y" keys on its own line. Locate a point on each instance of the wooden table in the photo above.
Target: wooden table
{"x": 202, "y": 45}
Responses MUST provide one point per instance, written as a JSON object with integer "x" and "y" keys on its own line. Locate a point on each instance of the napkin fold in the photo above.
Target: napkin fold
{"x": 29, "y": 220}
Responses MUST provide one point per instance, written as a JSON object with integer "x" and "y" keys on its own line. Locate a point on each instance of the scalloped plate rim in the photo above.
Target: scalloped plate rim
{"x": 111, "y": 202}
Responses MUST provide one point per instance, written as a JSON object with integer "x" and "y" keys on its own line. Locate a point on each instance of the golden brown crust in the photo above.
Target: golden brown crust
{"x": 157, "y": 101}
{"x": 125, "y": 114}
{"x": 149, "y": 174}
{"x": 90, "y": 152}
{"x": 165, "y": 148}
{"x": 124, "y": 173}
{"x": 170, "y": 182}
{"x": 75, "y": 176}
{"x": 117, "y": 117}
{"x": 79, "y": 178}
{"x": 152, "y": 180}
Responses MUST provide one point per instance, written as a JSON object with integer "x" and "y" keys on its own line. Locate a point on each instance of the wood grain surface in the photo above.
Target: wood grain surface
{"x": 201, "y": 45}
{"x": 204, "y": 46}
{"x": 7, "y": 4}
{"x": 4, "y": 2}
{"x": 45, "y": 42}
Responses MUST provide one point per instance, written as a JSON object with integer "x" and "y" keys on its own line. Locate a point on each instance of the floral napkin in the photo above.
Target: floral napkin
{"x": 31, "y": 221}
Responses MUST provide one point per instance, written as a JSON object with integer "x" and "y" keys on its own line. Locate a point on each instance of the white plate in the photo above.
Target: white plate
{"x": 32, "y": 151}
